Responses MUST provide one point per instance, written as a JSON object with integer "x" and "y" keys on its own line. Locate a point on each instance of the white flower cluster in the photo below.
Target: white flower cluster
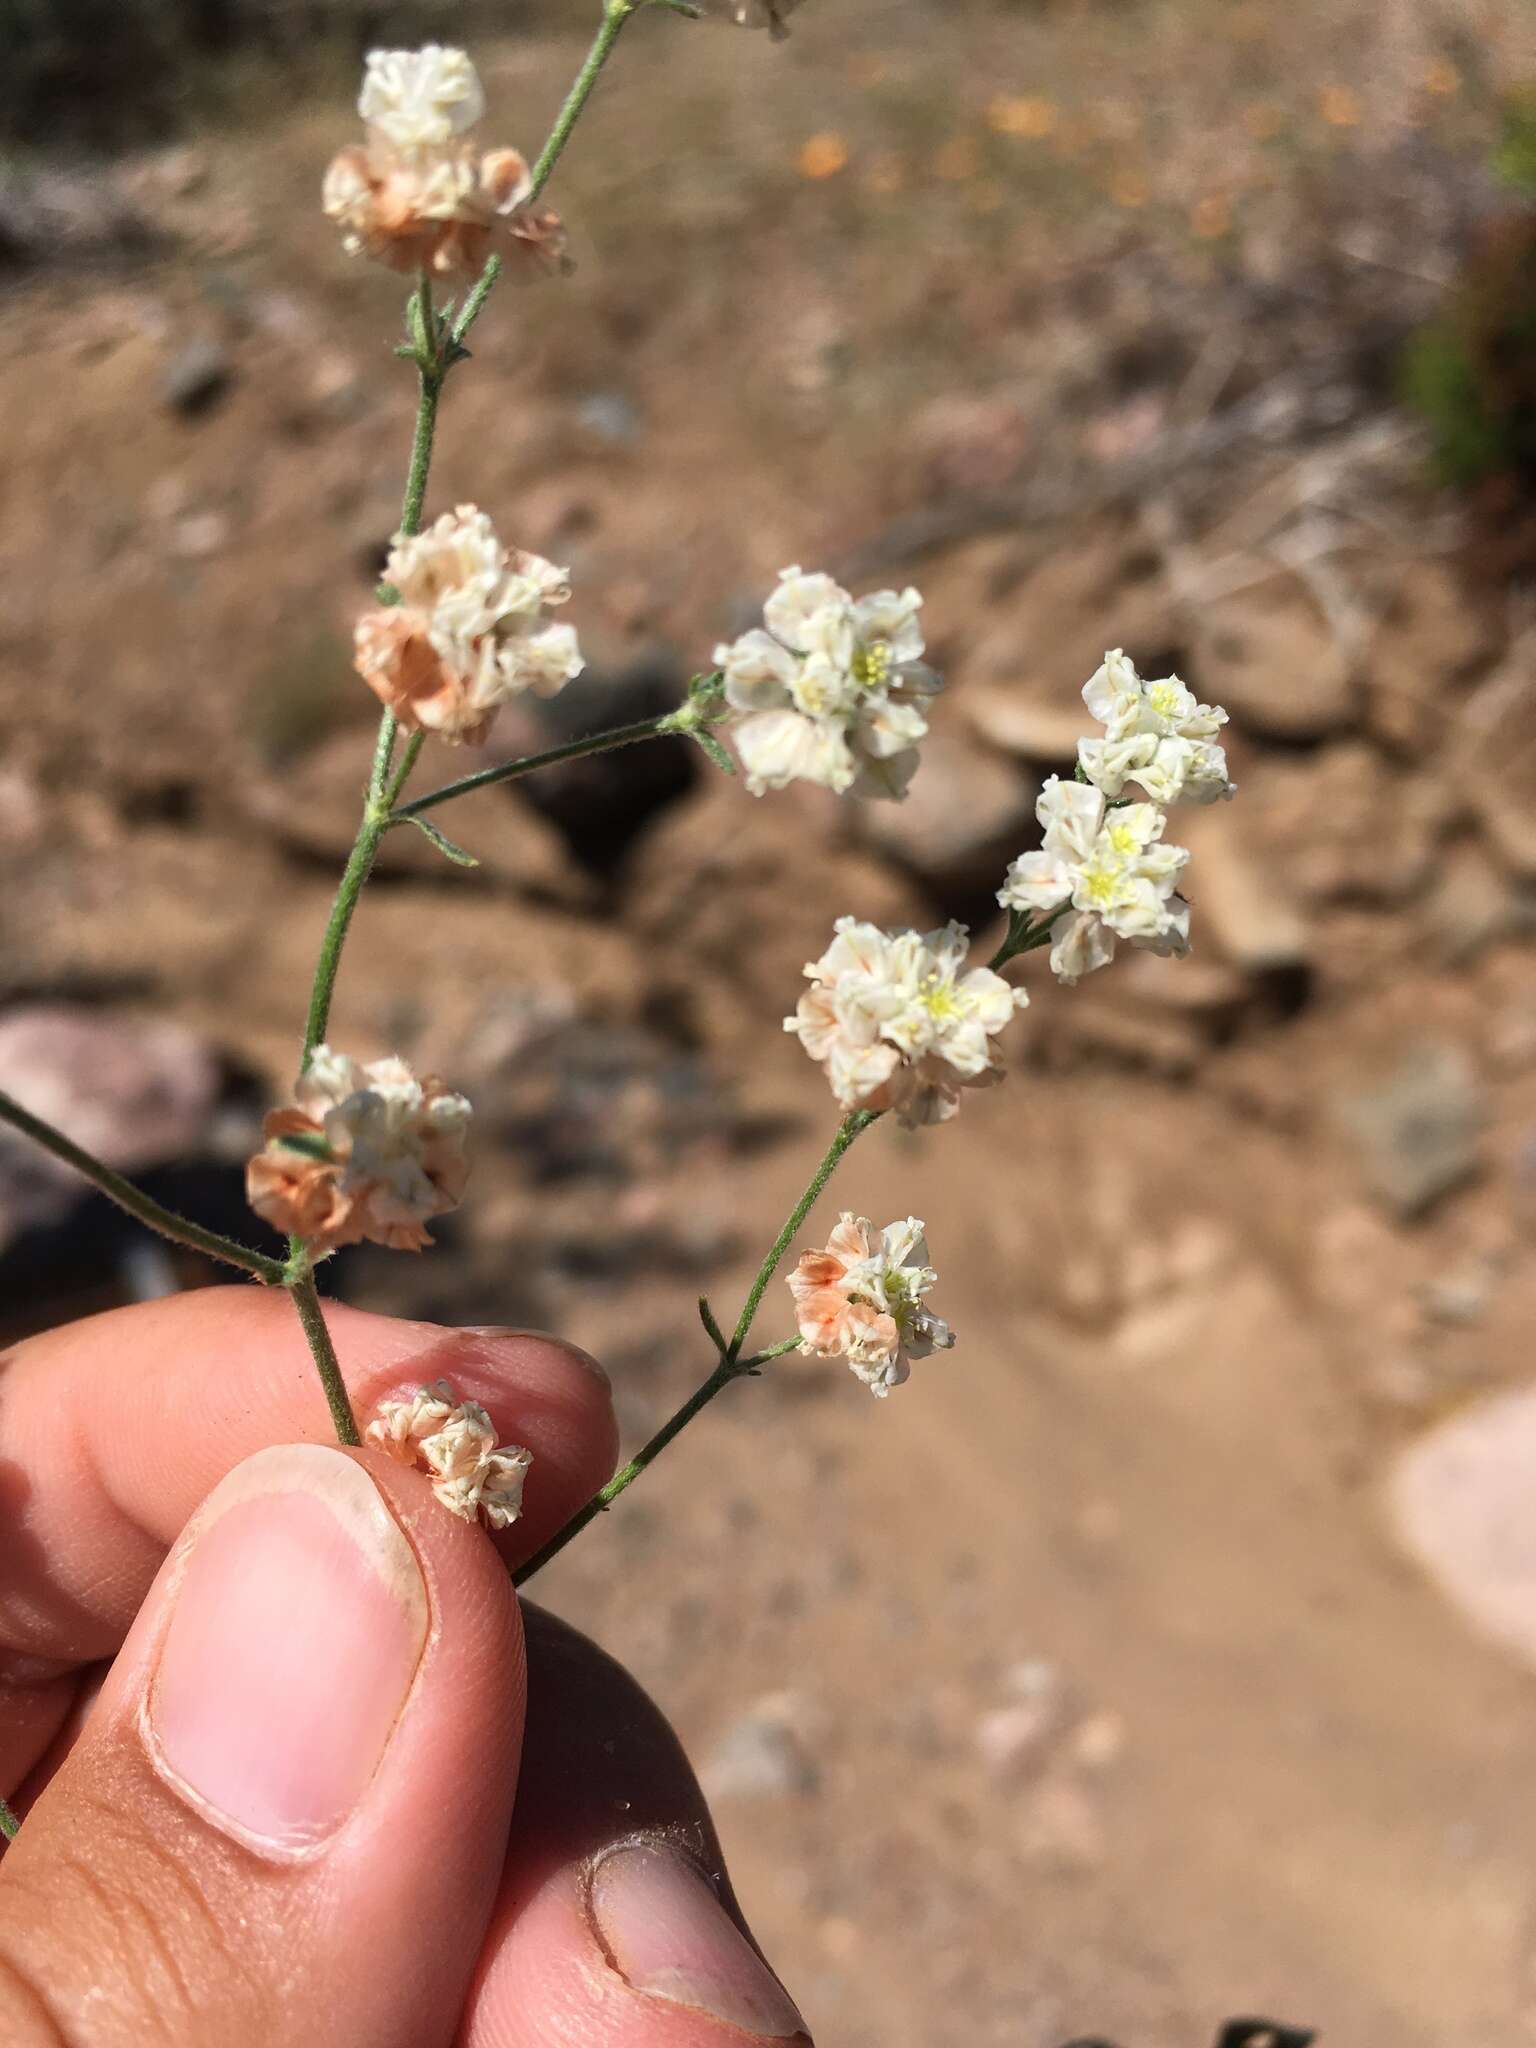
{"x": 1111, "y": 867}
{"x": 416, "y": 195}
{"x": 1155, "y": 734}
{"x": 366, "y": 1151}
{"x": 862, "y": 1299}
{"x": 456, "y": 1443}
{"x": 469, "y": 630}
{"x": 1102, "y": 859}
{"x": 833, "y": 691}
{"x": 897, "y": 1024}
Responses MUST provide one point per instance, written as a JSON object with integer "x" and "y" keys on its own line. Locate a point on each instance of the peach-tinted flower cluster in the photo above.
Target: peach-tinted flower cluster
{"x": 469, "y": 630}
{"x": 1156, "y": 734}
{"x": 769, "y": 14}
{"x": 416, "y": 195}
{"x": 833, "y": 690}
{"x": 366, "y": 1151}
{"x": 862, "y": 1299}
{"x": 896, "y": 1021}
{"x": 1109, "y": 864}
{"x": 456, "y": 1443}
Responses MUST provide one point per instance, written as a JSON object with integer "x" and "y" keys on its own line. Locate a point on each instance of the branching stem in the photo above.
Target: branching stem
{"x": 731, "y": 1365}
{"x": 849, "y": 1129}
{"x": 436, "y": 345}
{"x": 509, "y": 771}
{"x": 722, "y": 1376}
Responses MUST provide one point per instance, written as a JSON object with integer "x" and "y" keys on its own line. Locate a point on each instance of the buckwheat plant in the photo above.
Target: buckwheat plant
{"x": 831, "y": 689}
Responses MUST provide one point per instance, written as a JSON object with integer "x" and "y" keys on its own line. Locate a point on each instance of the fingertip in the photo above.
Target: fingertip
{"x": 124, "y": 1422}
{"x": 636, "y": 1950}
{"x": 312, "y": 1729}
{"x": 616, "y": 1921}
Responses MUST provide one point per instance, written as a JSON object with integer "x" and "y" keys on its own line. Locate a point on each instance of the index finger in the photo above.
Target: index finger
{"x": 112, "y": 1430}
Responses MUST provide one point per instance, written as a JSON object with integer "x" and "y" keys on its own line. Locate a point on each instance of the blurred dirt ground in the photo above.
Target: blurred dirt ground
{"x": 1084, "y": 1687}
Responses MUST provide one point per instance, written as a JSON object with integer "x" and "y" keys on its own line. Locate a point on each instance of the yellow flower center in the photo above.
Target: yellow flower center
{"x": 1101, "y": 880}
{"x": 1123, "y": 840}
{"x": 1164, "y": 698}
{"x": 872, "y": 665}
{"x": 942, "y": 1000}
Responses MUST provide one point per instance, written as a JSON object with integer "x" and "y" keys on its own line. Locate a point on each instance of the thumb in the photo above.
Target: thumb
{"x": 285, "y": 1817}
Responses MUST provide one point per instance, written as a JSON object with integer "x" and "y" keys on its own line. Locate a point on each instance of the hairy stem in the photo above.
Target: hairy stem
{"x": 306, "y": 1300}
{"x": 722, "y": 1376}
{"x": 474, "y": 305}
{"x": 615, "y": 14}
{"x": 431, "y": 390}
{"x": 508, "y": 771}
{"x": 354, "y": 875}
{"x": 402, "y": 774}
{"x": 180, "y": 1229}
{"x": 731, "y": 1366}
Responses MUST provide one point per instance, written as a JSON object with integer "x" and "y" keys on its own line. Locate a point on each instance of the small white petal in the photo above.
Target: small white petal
{"x": 1080, "y": 944}
{"x": 759, "y": 671}
{"x": 794, "y": 612}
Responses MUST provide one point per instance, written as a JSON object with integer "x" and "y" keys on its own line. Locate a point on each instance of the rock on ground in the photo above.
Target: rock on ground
{"x": 134, "y": 1091}
{"x": 1463, "y": 1500}
{"x": 1416, "y": 1127}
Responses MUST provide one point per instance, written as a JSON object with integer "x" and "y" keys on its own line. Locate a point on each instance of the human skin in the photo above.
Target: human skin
{"x": 295, "y": 1764}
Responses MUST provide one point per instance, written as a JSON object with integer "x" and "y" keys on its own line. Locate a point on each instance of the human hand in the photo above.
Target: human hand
{"x": 284, "y": 1812}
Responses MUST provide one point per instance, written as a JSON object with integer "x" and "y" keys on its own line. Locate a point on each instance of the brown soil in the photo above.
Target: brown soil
{"x": 1087, "y": 1691}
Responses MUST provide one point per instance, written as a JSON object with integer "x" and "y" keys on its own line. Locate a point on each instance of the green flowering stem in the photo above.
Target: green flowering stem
{"x": 691, "y": 720}
{"x": 615, "y": 14}
{"x": 849, "y": 1129}
{"x": 436, "y": 343}
{"x": 432, "y": 358}
{"x": 431, "y": 368}
{"x": 402, "y": 775}
{"x": 1023, "y": 936}
{"x": 474, "y": 305}
{"x": 306, "y": 1299}
{"x": 722, "y": 1376}
{"x": 10, "y": 1826}
{"x": 180, "y": 1229}
{"x": 731, "y": 1365}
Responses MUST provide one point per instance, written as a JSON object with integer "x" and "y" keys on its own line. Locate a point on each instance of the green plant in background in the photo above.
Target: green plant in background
{"x": 1514, "y": 161}
{"x": 1470, "y": 373}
